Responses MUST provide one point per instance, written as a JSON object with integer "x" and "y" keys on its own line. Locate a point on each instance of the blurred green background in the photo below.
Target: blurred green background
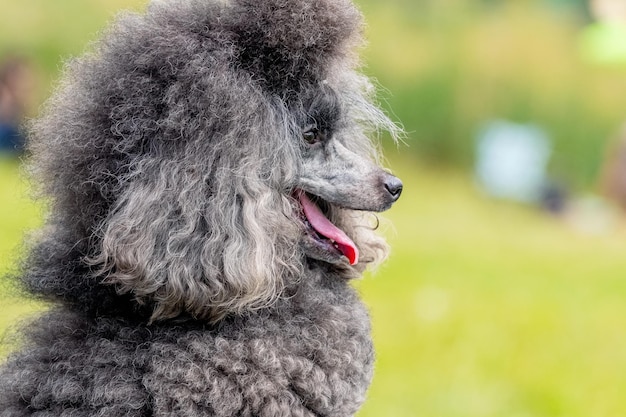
{"x": 486, "y": 307}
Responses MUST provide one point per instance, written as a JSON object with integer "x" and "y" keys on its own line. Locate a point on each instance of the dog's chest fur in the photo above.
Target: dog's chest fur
{"x": 311, "y": 355}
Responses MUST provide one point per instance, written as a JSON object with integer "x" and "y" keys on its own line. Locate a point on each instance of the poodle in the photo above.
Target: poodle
{"x": 212, "y": 186}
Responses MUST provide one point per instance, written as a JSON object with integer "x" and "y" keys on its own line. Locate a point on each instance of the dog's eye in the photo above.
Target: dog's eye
{"x": 311, "y": 135}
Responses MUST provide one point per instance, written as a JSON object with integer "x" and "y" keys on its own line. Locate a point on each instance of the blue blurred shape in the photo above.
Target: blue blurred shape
{"x": 11, "y": 139}
{"x": 512, "y": 161}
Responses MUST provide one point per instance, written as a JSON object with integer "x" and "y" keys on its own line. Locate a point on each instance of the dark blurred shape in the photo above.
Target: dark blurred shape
{"x": 16, "y": 88}
{"x": 554, "y": 198}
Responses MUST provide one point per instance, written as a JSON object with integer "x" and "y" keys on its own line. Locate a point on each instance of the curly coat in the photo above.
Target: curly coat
{"x": 173, "y": 248}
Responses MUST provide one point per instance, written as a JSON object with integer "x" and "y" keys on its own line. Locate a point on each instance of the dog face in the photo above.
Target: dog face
{"x": 206, "y": 154}
{"x": 333, "y": 175}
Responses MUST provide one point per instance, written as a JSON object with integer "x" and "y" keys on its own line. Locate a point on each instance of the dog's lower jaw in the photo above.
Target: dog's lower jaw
{"x": 322, "y": 251}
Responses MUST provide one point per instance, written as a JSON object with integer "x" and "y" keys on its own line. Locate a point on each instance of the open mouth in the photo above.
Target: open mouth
{"x": 325, "y": 234}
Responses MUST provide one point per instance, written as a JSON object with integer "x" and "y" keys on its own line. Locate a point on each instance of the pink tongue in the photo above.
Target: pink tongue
{"x": 324, "y": 227}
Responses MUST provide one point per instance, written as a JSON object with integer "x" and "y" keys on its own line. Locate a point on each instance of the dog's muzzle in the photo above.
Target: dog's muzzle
{"x": 325, "y": 240}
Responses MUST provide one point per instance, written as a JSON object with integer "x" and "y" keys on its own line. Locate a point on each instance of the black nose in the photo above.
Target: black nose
{"x": 394, "y": 186}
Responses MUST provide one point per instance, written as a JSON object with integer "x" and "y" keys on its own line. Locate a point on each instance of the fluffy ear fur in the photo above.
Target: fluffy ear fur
{"x": 208, "y": 229}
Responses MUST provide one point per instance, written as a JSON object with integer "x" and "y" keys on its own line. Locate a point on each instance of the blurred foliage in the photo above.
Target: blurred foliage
{"x": 452, "y": 66}
{"x": 449, "y": 67}
{"x": 49, "y": 33}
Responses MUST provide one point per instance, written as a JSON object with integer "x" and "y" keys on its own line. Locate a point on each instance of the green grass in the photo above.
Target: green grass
{"x": 484, "y": 308}
{"x": 491, "y": 309}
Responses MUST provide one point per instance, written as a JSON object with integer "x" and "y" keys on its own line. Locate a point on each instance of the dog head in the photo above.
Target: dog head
{"x": 338, "y": 176}
{"x": 207, "y": 152}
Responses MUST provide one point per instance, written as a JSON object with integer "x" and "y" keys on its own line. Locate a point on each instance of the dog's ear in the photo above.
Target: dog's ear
{"x": 285, "y": 42}
{"x": 207, "y": 229}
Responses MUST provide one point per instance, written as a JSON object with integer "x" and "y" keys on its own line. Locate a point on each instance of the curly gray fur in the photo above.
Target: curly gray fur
{"x": 186, "y": 278}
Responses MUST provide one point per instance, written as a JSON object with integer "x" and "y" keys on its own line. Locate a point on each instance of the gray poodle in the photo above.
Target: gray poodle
{"x": 211, "y": 183}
